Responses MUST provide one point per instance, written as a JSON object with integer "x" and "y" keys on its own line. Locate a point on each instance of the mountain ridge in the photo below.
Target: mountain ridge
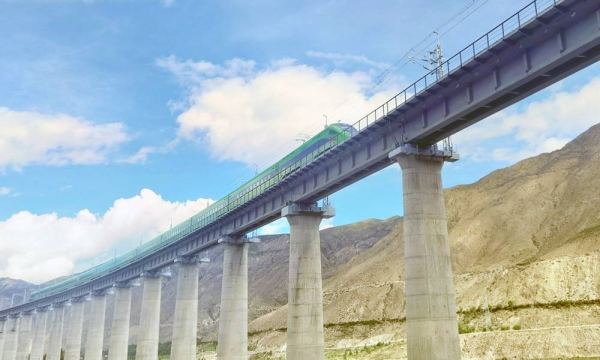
{"x": 524, "y": 239}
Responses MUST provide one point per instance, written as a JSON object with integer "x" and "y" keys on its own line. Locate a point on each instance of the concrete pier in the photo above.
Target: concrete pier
{"x": 147, "y": 344}
{"x": 24, "y": 343}
{"x": 73, "y": 344}
{"x": 305, "y": 296}
{"x": 119, "y": 334}
{"x": 39, "y": 335}
{"x": 233, "y": 322}
{"x": 11, "y": 338}
{"x": 2, "y": 329}
{"x": 56, "y": 332}
{"x": 185, "y": 322}
{"x": 95, "y": 335}
{"x": 431, "y": 323}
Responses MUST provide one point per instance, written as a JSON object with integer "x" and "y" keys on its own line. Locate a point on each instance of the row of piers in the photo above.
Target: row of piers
{"x": 431, "y": 321}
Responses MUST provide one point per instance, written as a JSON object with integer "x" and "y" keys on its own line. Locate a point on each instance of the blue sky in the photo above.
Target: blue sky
{"x": 119, "y": 118}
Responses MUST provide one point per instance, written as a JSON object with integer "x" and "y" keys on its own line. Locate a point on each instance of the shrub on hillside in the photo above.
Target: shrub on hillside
{"x": 465, "y": 328}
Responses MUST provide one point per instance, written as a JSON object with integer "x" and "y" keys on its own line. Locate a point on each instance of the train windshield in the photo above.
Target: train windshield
{"x": 348, "y": 128}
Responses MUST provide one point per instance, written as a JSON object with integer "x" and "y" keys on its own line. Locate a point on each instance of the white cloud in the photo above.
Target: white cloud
{"x": 33, "y": 138}
{"x": 142, "y": 155}
{"x": 38, "y": 248}
{"x": 542, "y": 126}
{"x": 340, "y": 59}
{"x": 195, "y": 73}
{"x": 167, "y": 3}
{"x": 279, "y": 226}
{"x": 243, "y": 113}
{"x": 5, "y": 191}
{"x": 326, "y": 224}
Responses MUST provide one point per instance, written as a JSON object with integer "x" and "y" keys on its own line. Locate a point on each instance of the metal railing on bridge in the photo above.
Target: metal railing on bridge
{"x": 513, "y": 24}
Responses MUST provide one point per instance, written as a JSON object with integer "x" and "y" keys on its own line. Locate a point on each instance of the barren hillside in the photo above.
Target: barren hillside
{"x": 524, "y": 241}
{"x": 542, "y": 207}
{"x": 18, "y": 288}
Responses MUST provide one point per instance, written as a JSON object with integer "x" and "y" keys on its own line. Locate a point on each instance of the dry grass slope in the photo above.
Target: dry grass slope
{"x": 525, "y": 240}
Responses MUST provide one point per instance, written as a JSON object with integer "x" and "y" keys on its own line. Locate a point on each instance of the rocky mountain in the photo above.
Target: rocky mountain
{"x": 525, "y": 242}
{"x": 10, "y": 287}
{"x": 268, "y": 272}
{"x": 540, "y": 208}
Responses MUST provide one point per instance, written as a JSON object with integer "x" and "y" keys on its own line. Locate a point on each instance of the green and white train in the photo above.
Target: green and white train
{"x": 310, "y": 150}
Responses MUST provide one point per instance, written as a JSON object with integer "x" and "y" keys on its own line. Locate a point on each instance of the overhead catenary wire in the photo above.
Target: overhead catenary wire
{"x": 388, "y": 74}
{"x": 349, "y": 105}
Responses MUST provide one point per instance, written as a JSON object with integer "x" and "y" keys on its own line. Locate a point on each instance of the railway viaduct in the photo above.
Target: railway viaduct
{"x": 541, "y": 44}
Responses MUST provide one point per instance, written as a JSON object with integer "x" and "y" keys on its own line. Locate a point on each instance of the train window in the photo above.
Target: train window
{"x": 347, "y": 128}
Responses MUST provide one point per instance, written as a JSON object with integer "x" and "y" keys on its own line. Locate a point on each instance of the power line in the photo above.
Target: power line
{"x": 385, "y": 76}
{"x": 349, "y": 104}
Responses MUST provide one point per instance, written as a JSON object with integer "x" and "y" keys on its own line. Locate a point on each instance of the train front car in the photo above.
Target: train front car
{"x": 346, "y": 130}
{"x": 310, "y": 150}
{"x": 331, "y": 136}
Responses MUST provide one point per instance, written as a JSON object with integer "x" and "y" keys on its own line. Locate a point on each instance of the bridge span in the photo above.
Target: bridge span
{"x": 538, "y": 46}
